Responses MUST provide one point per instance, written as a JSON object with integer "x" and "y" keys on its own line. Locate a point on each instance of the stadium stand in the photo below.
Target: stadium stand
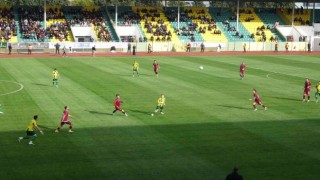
{"x": 258, "y": 30}
{"x": 317, "y": 17}
{"x": 207, "y": 26}
{"x": 301, "y": 16}
{"x": 90, "y": 16}
{"x": 187, "y": 30}
{"x": 31, "y": 25}
{"x": 271, "y": 19}
{"x": 226, "y": 19}
{"x": 8, "y": 25}
{"x": 110, "y": 27}
{"x": 58, "y": 28}
{"x": 155, "y": 24}
{"x": 126, "y": 17}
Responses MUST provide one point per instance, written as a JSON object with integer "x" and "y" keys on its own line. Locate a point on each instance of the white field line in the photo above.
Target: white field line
{"x": 15, "y": 91}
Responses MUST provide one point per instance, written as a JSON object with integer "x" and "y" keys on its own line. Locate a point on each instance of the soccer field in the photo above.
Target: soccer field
{"x": 208, "y": 127}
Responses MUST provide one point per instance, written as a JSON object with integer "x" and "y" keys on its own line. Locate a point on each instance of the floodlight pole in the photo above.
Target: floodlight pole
{"x": 178, "y": 14}
{"x": 293, "y": 14}
{"x": 116, "y": 14}
{"x": 313, "y": 12}
{"x": 238, "y": 6}
{"x": 45, "y": 14}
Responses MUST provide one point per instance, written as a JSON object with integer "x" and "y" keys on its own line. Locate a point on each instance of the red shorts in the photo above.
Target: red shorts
{"x": 65, "y": 122}
{"x": 306, "y": 91}
{"x": 258, "y": 101}
{"x": 155, "y": 71}
{"x": 241, "y": 71}
{"x": 118, "y": 108}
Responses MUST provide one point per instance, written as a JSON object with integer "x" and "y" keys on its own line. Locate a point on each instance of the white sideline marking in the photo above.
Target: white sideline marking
{"x": 271, "y": 74}
{"x": 21, "y": 87}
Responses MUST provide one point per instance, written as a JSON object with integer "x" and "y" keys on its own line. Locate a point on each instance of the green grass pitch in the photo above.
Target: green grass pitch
{"x": 209, "y": 124}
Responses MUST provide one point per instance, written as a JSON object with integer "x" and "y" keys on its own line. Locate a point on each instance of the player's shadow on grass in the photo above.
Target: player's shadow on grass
{"x": 139, "y": 111}
{"x": 234, "y": 107}
{"x": 97, "y": 112}
{"x": 285, "y": 98}
{"x": 46, "y": 127}
{"x": 135, "y": 75}
{"x": 39, "y": 84}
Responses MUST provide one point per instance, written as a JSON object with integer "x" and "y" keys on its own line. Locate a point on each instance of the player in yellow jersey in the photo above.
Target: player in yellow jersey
{"x": 55, "y": 77}
{"x": 161, "y": 103}
{"x": 135, "y": 68}
{"x": 31, "y": 134}
{"x": 317, "y": 94}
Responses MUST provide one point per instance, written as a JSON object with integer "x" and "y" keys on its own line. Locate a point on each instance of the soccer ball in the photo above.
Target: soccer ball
{"x": 201, "y": 67}
{"x": 152, "y": 114}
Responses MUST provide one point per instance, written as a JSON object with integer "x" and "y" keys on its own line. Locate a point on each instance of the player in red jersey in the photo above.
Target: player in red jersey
{"x": 306, "y": 92}
{"x": 117, "y": 102}
{"x": 156, "y": 67}
{"x": 257, "y": 100}
{"x": 65, "y": 120}
{"x": 242, "y": 70}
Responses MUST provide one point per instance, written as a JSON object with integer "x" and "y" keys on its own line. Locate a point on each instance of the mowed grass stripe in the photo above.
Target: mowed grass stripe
{"x": 244, "y": 92}
{"x": 265, "y": 63}
{"x": 191, "y": 149}
{"x": 148, "y": 84}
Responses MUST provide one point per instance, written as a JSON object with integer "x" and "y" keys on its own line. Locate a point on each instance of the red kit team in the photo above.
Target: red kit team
{"x": 306, "y": 92}
{"x": 242, "y": 70}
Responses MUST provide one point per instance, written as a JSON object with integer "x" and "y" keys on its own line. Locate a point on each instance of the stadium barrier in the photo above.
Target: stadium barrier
{"x": 82, "y": 47}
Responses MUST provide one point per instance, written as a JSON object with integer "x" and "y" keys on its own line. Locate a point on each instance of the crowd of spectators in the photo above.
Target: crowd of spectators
{"x": 54, "y": 13}
{"x": 30, "y": 23}
{"x": 154, "y": 25}
{"x": 302, "y": 21}
{"x": 8, "y": 27}
{"x": 85, "y": 18}
{"x": 58, "y": 29}
{"x": 130, "y": 18}
{"x": 204, "y": 25}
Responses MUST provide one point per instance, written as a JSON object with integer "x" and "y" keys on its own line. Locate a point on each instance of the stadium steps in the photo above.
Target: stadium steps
{"x": 125, "y": 10}
{"x": 254, "y": 24}
{"x": 141, "y": 32}
{"x": 208, "y": 36}
{"x": 178, "y": 45}
{"x": 230, "y": 35}
{"x": 307, "y": 15}
{"x": 110, "y": 27}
